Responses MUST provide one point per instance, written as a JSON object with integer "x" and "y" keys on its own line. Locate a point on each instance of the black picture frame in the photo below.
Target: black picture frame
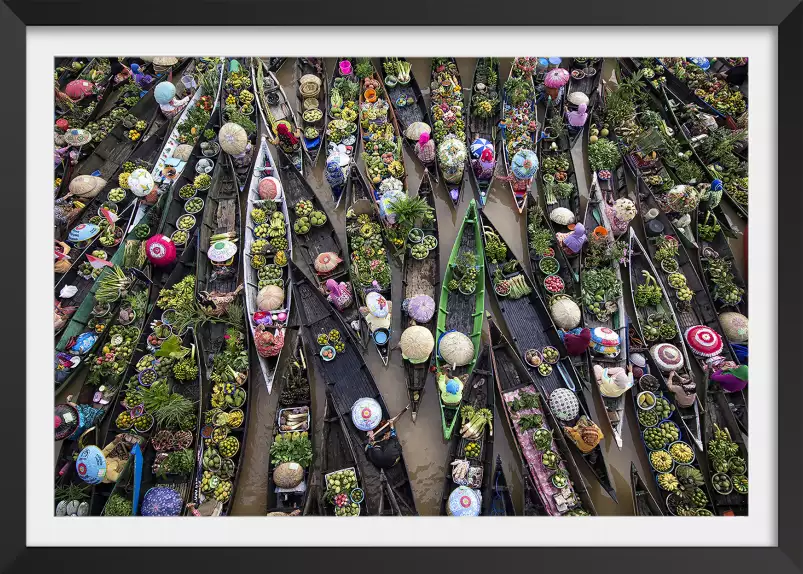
{"x": 787, "y": 15}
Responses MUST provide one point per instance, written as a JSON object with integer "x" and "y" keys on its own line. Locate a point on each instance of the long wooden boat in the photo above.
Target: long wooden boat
{"x": 674, "y": 81}
{"x": 556, "y": 164}
{"x": 644, "y": 503}
{"x": 408, "y": 105}
{"x": 501, "y": 503}
{"x": 382, "y": 176}
{"x": 274, "y": 107}
{"x": 588, "y": 85}
{"x": 295, "y": 403}
{"x": 517, "y": 136}
{"x": 700, "y": 309}
{"x": 616, "y": 322}
{"x": 94, "y": 399}
{"x": 720, "y": 420}
{"x": 319, "y": 241}
{"x": 124, "y": 393}
{"x": 370, "y": 269}
{"x": 343, "y": 94}
{"x": 515, "y": 384}
{"x": 220, "y": 345}
{"x": 274, "y": 64}
{"x": 480, "y": 395}
{"x": 347, "y": 380}
{"x": 652, "y": 380}
{"x": 640, "y": 264}
{"x": 87, "y": 108}
{"x": 461, "y": 312}
{"x": 486, "y": 89}
{"x": 421, "y": 277}
{"x": 527, "y": 319}
{"x": 314, "y": 67}
{"x": 256, "y": 277}
{"x": 446, "y": 105}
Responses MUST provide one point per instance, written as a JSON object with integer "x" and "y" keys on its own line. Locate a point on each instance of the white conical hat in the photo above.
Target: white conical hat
{"x": 416, "y": 343}
{"x": 456, "y": 348}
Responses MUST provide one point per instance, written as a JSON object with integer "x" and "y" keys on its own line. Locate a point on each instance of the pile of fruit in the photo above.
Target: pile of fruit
{"x": 229, "y": 446}
{"x": 338, "y": 486}
{"x": 681, "y": 452}
{"x": 187, "y": 191}
{"x": 185, "y": 222}
{"x": 722, "y": 483}
{"x": 303, "y": 208}
{"x": 648, "y": 294}
{"x": 317, "y": 218}
{"x": 550, "y": 460}
{"x": 657, "y": 437}
{"x": 116, "y": 195}
{"x": 302, "y": 225}
{"x": 554, "y": 284}
{"x": 194, "y": 205}
{"x": 472, "y": 450}
{"x": 661, "y": 460}
{"x": 648, "y": 418}
{"x": 549, "y": 265}
{"x": 180, "y": 237}
{"x": 419, "y": 251}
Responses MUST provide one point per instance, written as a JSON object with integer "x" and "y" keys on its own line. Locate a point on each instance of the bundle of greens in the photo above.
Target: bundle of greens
{"x": 291, "y": 447}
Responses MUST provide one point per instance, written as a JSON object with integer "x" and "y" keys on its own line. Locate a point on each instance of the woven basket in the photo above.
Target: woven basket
{"x": 309, "y": 89}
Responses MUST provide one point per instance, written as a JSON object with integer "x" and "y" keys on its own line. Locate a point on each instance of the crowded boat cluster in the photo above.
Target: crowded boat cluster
{"x": 195, "y": 260}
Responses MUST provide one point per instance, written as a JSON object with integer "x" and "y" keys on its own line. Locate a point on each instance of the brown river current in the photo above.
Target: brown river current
{"x": 425, "y": 450}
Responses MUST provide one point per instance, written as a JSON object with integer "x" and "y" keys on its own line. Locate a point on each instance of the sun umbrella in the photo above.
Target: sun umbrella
{"x": 416, "y": 344}
{"x": 221, "y": 251}
{"x": 160, "y": 250}
{"x": 91, "y": 465}
{"x": 556, "y": 78}
{"x": 456, "y": 348}
{"x": 667, "y": 357}
{"x": 463, "y": 501}
{"x": 735, "y": 326}
{"x": 233, "y": 138}
{"x": 83, "y": 232}
{"x": 377, "y": 304}
{"x": 79, "y": 89}
{"x": 270, "y": 188}
{"x": 77, "y": 137}
{"x": 421, "y": 308}
{"x": 704, "y": 341}
{"x": 140, "y": 182}
{"x": 479, "y": 145}
{"x": 164, "y": 92}
{"x": 366, "y": 414}
{"x": 524, "y": 164}
{"x": 162, "y": 501}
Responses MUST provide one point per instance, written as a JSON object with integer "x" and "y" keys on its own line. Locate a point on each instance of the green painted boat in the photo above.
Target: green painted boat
{"x": 461, "y": 311}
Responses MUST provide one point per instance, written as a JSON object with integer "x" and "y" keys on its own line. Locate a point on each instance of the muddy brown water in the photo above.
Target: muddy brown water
{"x": 425, "y": 450}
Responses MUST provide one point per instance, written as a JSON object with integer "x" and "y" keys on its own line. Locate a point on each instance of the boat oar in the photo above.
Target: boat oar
{"x": 391, "y": 421}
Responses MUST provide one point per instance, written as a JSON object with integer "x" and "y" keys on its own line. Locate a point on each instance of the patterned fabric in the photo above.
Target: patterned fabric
{"x": 426, "y": 153}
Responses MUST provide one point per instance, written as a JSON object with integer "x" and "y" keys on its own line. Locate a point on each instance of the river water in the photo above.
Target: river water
{"x": 425, "y": 450}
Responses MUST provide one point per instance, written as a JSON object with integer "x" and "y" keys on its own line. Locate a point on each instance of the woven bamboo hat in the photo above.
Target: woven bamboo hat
{"x": 87, "y": 186}
{"x": 456, "y": 348}
{"x": 416, "y": 343}
{"x": 233, "y": 138}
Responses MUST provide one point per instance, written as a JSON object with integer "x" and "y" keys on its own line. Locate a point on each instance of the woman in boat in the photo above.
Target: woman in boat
{"x": 142, "y": 80}
{"x": 576, "y": 341}
{"x": 577, "y": 118}
{"x": 736, "y": 76}
{"x": 386, "y": 451}
{"x": 451, "y": 389}
{"x": 731, "y": 376}
{"x": 425, "y": 150}
{"x": 613, "y": 381}
{"x": 286, "y": 139}
{"x": 165, "y": 96}
{"x": 119, "y": 71}
{"x": 483, "y": 166}
{"x": 685, "y": 390}
{"x": 572, "y": 242}
{"x": 339, "y": 294}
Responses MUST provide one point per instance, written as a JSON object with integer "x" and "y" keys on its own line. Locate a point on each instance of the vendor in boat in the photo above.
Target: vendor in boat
{"x": 377, "y": 310}
{"x": 736, "y": 76}
{"x": 142, "y": 80}
{"x": 425, "y": 150}
{"x": 577, "y": 118}
{"x": 684, "y": 389}
{"x": 483, "y": 166}
{"x": 576, "y": 340}
{"x": 385, "y": 451}
{"x": 119, "y": 71}
{"x": 613, "y": 382}
{"x": 165, "y": 96}
{"x": 285, "y": 138}
{"x": 339, "y": 294}
{"x": 451, "y": 389}
{"x": 731, "y": 376}
{"x": 572, "y": 242}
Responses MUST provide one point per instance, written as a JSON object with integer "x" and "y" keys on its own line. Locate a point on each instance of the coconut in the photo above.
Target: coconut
{"x": 562, "y": 216}
{"x": 288, "y": 475}
{"x": 270, "y": 297}
{"x": 734, "y": 326}
{"x": 565, "y": 313}
{"x": 456, "y": 349}
{"x": 416, "y": 344}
